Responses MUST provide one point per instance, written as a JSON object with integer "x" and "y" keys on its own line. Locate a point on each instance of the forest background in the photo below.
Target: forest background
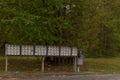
{"x": 91, "y": 25}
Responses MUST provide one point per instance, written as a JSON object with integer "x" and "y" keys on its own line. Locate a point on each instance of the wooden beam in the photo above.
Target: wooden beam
{"x": 75, "y": 63}
{"x": 6, "y": 64}
{"x": 43, "y": 64}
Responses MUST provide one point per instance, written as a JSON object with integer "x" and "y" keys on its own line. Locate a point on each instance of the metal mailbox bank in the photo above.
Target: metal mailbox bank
{"x": 44, "y": 51}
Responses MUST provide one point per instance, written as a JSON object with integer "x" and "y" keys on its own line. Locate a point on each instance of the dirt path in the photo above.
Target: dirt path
{"x": 70, "y": 77}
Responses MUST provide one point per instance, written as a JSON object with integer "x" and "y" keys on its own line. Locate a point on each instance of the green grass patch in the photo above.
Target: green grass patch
{"x": 102, "y": 65}
{"x": 31, "y": 64}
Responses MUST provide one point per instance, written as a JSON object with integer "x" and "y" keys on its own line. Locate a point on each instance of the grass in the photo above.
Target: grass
{"x": 103, "y": 65}
{"x": 97, "y": 65}
{"x": 31, "y": 64}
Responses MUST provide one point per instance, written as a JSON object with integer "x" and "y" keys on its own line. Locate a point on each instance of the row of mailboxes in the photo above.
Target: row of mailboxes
{"x": 39, "y": 50}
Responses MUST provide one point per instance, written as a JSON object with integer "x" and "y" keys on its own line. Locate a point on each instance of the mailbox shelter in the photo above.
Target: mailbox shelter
{"x": 42, "y": 51}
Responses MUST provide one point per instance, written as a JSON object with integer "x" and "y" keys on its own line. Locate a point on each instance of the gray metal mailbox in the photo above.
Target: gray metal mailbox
{"x": 27, "y": 50}
{"x": 53, "y": 51}
{"x": 40, "y": 50}
{"x": 12, "y": 50}
{"x": 80, "y": 59}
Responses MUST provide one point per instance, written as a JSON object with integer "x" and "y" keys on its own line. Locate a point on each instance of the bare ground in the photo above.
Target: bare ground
{"x": 59, "y": 76}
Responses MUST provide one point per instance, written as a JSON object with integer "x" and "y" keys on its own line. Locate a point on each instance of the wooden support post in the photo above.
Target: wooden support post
{"x": 75, "y": 64}
{"x": 6, "y": 64}
{"x": 43, "y": 64}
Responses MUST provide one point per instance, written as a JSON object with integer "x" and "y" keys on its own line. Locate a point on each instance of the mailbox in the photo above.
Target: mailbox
{"x": 80, "y": 58}
{"x": 12, "y": 49}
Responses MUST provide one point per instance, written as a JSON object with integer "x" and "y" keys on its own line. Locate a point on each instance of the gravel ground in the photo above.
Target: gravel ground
{"x": 71, "y": 77}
